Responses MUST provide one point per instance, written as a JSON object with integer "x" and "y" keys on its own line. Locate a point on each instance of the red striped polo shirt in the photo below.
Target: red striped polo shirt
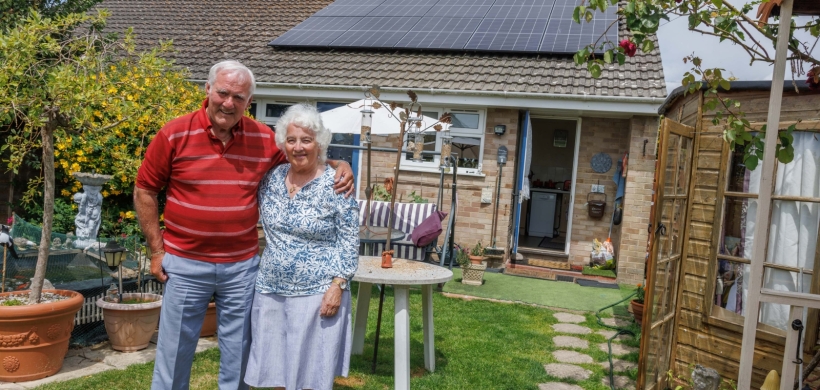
{"x": 211, "y": 210}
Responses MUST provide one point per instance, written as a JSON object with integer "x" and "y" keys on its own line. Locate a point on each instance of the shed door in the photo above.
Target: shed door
{"x": 664, "y": 268}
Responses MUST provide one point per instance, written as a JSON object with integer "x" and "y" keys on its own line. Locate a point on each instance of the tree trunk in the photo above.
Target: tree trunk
{"x": 47, "y": 134}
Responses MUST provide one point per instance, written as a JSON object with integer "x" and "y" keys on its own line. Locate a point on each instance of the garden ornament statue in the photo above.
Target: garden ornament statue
{"x": 89, "y": 208}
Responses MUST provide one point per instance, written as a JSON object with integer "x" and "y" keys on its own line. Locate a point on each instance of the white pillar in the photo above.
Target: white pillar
{"x": 402, "y": 337}
{"x": 360, "y": 324}
{"x": 429, "y": 330}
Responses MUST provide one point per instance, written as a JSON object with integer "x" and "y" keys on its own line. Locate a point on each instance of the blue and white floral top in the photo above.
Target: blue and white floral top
{"x": 311, "y": 238}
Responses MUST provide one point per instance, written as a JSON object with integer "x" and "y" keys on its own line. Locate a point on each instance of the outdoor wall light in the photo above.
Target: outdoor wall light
{"x": 114, "y": 254}
{"x": 500, "y": 129}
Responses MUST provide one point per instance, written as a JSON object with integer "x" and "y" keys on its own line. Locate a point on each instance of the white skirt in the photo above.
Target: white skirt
{"x": 296, "y": 348}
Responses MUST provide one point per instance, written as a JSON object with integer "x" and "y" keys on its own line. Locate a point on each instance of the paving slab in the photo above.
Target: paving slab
{"x": 609, "y": 333}
{"x": 558, "y": 386}
{"x": 567, "y": 371}
{"x": 617, "y": 349}
{"x": 570, "y": 342}
{"x": 569, "y": 318}
{"x": 571, "y": 357}
{"x": 571, "y": 329}
{"x": 619, "y": 365}
{"x": 98, "y": 358}
{"x": 616, "y": 322}
{"x": 621, "y": 382}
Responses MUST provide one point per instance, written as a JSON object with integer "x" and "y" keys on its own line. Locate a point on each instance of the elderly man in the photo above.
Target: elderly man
{"x": 210, "y": 162}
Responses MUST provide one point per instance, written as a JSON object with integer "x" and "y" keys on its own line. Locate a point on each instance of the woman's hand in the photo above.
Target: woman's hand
{"x": 331, "y": 301}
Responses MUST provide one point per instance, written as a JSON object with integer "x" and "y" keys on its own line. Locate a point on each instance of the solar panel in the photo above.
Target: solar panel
{"x": 440, "y": 33}
{"x": 378, "y": 32}
{"x": 533, "y": 26}
{"x": 512, "y": 35}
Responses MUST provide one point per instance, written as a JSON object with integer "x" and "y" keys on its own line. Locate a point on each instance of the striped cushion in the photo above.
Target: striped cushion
{"x": 408, "y": 216}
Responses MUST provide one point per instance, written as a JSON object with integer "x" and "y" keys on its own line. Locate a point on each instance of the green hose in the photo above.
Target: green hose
{"x": 609, "y": 342}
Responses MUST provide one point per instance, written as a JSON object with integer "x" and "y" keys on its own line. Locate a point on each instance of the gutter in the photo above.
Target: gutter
{"x": 503, "y": 94}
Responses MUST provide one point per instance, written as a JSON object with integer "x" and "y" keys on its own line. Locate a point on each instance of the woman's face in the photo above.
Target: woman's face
{"x": 301, "y": 147}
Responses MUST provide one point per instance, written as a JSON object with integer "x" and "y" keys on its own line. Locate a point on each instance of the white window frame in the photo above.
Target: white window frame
{"x": 261, "y": 110}
{"x": 433, "y": 166}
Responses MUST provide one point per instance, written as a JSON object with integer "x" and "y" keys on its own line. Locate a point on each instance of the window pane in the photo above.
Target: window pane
{"x": 774, "y": 314}
{"x": 273, "y": 110}
{"x": 465, "y": 121}
{"x": 468, "y": 149}
{"x": 327, "y": 106}
{"x": 683, "y": 165}
{"x": 801, "y": 177}
{"x": 730, "y": 291}
{"x": 793, "y": 233}
{"x": 671, "y": 164}
{"x": 737, "y": 236}
{"x": 741, "y": 179}
{"x": 252, "y": 110}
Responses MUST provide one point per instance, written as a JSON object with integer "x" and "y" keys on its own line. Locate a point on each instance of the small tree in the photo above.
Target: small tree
{"x": 719, "y": 18}
{"x": 63, "y": 77}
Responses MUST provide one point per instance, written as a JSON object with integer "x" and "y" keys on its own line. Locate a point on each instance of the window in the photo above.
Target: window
{"x": 268, "y": 112}
{"x": 793, "y": 234}
{"x": 467, "y": 132}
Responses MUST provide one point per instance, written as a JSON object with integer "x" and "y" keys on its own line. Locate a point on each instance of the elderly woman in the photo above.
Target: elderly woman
{"x": 301, "y": 311}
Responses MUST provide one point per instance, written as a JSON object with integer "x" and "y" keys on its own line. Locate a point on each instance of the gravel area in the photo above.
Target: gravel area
{"x": 23, "y": 297}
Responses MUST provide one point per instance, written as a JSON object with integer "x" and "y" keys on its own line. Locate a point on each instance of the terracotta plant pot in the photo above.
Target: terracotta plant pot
{"x": 131, "y": 326}
{"x": 637, "y": 311}
{"x": 34, "y": 338}
{"x": 387, "y": 260}
{"x": 476, "y": 259}
{"x": 209, "y": 324}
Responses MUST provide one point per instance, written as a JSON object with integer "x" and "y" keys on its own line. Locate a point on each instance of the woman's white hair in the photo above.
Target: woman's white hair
{"x": 231, "y": 66}
{"x": 306, "y": 117}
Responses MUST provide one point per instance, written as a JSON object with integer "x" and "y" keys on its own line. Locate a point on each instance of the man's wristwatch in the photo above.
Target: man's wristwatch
{"x": 342, "y": 283}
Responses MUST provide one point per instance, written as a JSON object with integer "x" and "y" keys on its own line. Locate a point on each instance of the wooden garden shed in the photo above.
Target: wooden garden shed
{"x": 704, "y": 215}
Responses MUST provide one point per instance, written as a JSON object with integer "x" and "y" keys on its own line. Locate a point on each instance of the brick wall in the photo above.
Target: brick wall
{"x": 609, "y": 136}
{"x": 638, "y": 198}
{"x": 473, "y": 218}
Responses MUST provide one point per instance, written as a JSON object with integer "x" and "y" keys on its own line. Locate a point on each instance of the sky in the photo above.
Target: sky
{"x": 676, "y": 42}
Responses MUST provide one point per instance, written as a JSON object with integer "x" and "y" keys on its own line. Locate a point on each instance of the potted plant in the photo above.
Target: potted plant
{"x": 477, "y": 253}
{"x": 637, "y": 304}
{"x": 471, "y": 273}
{"x": 209, "y": 323}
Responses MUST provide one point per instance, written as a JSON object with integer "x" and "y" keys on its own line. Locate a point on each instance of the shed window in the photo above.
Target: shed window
{"x": 793, "y": 233}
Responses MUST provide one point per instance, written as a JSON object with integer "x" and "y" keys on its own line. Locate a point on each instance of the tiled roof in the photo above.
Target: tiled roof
{"x": 204, "y": 32}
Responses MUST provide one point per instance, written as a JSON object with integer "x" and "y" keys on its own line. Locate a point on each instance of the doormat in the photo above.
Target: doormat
{"x": 547, "y": 242}
{"x": 595, "y": 283}
{"x": 548, "y": 263}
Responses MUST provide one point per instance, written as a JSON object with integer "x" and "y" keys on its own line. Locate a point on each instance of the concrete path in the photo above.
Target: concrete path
{"x": 98, "y": 358}
{"x": 570, "y": 362}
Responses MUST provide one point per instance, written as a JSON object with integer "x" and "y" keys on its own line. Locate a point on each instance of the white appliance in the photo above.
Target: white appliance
{"x": 542, "y": 214}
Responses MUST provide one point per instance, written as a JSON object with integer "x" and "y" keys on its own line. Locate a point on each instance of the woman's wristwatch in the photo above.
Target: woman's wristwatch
{"x": 342, "y": 283}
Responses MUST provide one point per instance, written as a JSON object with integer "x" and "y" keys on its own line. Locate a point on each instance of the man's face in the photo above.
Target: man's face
{"x": 228, "y": 99}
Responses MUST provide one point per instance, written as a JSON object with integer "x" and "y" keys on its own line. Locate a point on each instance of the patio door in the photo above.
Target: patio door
{"x": 672, "y": 180}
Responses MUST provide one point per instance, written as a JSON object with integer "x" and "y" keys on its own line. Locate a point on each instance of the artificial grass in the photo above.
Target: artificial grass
{"x": 550, "y": 293}
{"x": 479, "y": 345}
{"x": 598, "y": 272}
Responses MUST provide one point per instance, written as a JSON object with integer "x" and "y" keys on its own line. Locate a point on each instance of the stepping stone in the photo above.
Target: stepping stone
{"x": 569, "y": 318}
{"x": 571, "y": 357}
{"x": 621, "y": 382}
{"x": 558, "y": 386}
{"x": 571, "y": 328}
{"x": 567, "y": 371}
{"x": 617, "y": 349}
{"x": 619, "y": 365}
{"x": 570, "y": 342}
{"x": 609, "y": 333}
{"x": 617, "y": 322}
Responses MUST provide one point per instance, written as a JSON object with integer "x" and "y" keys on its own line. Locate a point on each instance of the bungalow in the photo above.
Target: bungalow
{"x": 566, "y": 132}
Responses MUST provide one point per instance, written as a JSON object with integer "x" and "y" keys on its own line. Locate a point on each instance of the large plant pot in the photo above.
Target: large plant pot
{"x": 131, "y": 326}
{"x": 473, "y": 274}
{"x": 209, "y": 324}
{"x": 476, "y": 259}
{"x": 34, "y": 338}
{"x": 637, "y": 311}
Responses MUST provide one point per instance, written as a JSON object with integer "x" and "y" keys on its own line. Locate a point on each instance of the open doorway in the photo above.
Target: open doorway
{"x": 545, "y": 218}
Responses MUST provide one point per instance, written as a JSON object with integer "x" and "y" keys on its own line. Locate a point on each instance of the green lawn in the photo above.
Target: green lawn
{"x": 479, "y": 345}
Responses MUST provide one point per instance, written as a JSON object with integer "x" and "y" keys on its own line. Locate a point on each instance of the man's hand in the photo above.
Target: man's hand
{"x": 331, "y": 301}
{"x": 156, "y": 266}
{"x": 344, "y": 179}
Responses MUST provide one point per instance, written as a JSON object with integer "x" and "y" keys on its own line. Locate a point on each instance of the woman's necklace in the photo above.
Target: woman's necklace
{"x": 293, "y": 186}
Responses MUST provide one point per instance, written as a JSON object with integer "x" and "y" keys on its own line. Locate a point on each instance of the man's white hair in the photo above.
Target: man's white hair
{"x": 306, "y": 117}
{"x": 232, "y": 66}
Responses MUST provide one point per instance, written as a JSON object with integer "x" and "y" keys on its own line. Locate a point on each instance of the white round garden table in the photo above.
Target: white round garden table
{"x": 405, "y": 273}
